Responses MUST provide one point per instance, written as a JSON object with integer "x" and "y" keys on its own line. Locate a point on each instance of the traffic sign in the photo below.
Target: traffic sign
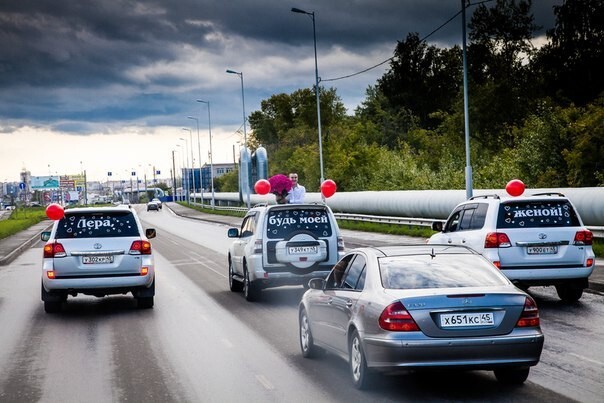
{"x": 22, "y": 186}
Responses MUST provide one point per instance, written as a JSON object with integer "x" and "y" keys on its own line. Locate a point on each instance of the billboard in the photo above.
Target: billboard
{"x": 44, "y": 182}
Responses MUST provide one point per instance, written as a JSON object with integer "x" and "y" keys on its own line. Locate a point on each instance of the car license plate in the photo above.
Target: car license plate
{"x": 97, "y": 259}
{"x": 542, "y": 250}
{"x": 466, "y": 319}
{"x": 302, "y": 250}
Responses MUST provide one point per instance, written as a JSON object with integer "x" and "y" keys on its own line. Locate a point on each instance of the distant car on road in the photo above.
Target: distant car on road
{"x": 97, "y": 251}
{"x": 158, "y": 202}
{"x": 153, "y": 206}
{"x": 421, "y": 307}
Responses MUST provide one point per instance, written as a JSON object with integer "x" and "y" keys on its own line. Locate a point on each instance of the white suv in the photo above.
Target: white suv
{"x": 534, "y": 240}
{"x": 283, "y": 244}
{"x": 97, "y": 251}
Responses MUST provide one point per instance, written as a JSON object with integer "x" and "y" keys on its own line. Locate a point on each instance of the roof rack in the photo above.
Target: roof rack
{"x": 549, "y": 194}
{"x": 494, "y": 196}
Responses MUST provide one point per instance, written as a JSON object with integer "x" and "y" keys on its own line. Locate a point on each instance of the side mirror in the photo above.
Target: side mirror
{"x": 233, "y": 233}
{"x": 45, "y": 236}
{"x": 150, "y": 233}
{"x": 437, "y": 226}
{"x": 316, "y": 283}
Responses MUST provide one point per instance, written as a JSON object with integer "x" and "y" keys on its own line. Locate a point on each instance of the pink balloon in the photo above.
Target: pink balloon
{"x": 328, "y": 188}
{"x": 262, "y": 187}
{"x": 55, "y": 211}
{"x": 515, "y": 187}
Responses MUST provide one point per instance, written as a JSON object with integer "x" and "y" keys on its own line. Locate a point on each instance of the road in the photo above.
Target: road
{"x": 202, "y": 342}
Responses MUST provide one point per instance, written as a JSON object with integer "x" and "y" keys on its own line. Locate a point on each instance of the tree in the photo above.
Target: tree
{"x": 499, "y": 58}
{"x": 572, "y": 64}
{"x": 422, "y": 79}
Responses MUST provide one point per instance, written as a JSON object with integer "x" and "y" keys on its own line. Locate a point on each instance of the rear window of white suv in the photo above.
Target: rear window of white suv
{"x": 97, "y": 225}
{"x": 282, "y": 222}
{"x": 536, "y": 214}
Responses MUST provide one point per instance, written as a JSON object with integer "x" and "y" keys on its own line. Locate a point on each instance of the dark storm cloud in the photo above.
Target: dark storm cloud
{"x": 55, "y": 54}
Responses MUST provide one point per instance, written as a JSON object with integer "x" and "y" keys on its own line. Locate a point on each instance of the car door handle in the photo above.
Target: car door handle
{"x": 450, "y": 241}
{"x": 330, "y": 300}
{"x": 348, "y": 303}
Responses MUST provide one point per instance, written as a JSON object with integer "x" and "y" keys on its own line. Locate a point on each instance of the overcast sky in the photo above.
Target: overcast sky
{"x": 108, "y": 85}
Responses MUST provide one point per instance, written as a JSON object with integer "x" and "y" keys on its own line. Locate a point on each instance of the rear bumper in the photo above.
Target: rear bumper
{"x": 546, "y": 275}
{"x": 522, "y": 349}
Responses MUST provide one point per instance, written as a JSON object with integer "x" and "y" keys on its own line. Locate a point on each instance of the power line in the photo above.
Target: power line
{"x": 421, "y": 40}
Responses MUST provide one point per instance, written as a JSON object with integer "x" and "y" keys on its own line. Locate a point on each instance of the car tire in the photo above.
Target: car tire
{"x": 512, "y": 376}
{"x": 250, "y": 290}
{"x": 307, "y": 345}
{"x": 569, "y": 293}
{"x": 362, "y": 376}
{"x": 145, "y": 302}
{"x": 234, "y": 285}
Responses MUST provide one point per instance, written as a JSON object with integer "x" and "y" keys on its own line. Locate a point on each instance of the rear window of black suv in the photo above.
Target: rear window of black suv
{"x": 283, "y": 222}
{"x": 536, "y": 214}
{"x": 97, "y": 225}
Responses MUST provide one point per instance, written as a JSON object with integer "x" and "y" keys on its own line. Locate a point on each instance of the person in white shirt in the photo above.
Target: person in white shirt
{"x": 296, "y": 195}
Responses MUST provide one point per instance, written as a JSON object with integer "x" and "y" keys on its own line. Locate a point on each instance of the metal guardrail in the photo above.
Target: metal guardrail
{"x": 420, "y": 222}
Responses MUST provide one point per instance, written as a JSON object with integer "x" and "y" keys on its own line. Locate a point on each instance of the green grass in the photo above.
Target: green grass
{"x": 208, "y": 210}
{"x": 392, "y": 229}
{"x": 20, "y": 219}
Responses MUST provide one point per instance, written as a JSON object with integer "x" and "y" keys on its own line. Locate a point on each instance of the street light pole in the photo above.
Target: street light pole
{"x": 188, "y": 194}
{"x": 199, "y": 157}
{"x": 469, "y": 184}
{"x": 192, "y": 162}
{"x": 240, "y": 74}
{"x": 317, "y": 79}
{"x": 211, "y": 152}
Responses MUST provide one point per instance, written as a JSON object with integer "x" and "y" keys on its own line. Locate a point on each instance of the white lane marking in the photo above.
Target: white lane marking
{"x": 264, "y": 382}
{"x": 601, "y": 364}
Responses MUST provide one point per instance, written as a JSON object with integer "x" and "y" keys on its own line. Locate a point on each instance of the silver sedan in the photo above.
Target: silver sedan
{"x": 421, "y": 307}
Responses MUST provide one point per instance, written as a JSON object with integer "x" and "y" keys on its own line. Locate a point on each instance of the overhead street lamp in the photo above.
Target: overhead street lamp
{"x": 211, "y": 152}
{"x": 240, "y": 74}
{"x": 192, "y": 162}
{"x": 199, "y": 158}
{"x": 317, "y": 79}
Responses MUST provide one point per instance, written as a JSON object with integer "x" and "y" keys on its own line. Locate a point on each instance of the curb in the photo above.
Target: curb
{"x": 19, "y": 249}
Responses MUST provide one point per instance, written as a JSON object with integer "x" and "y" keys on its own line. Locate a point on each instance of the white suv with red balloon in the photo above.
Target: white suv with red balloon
{"x": 536, "y": 240}
{"x": 283, "y": 244}
{"x": 96, "y": 251}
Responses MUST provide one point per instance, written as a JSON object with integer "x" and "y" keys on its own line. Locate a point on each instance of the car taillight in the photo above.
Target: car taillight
{"x": 396, "y": 318}
{"x": 583, "y": 238}
{"x": 54, "y": 249}
{"x": 497, "y": 240}
{"x": 341, "y": 244}
{"x": 140, "y": 248}
{"x": 257, "y": 246}
{"x": 590, "y": 262}
{"x": 530, "y": 314}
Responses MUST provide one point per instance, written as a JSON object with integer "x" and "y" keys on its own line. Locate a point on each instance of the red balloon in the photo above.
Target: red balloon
{"x": 328, "y": 188}
{"x": 262, "y": 187}
{"x": 515, "y": 187}
{"x": 55, "y": 211}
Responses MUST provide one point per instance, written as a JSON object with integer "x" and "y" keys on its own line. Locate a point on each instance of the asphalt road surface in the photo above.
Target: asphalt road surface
{"x": 202, "y": 342}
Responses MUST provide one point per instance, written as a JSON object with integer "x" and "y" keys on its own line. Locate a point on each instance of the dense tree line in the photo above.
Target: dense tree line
{"x": 535, "y": 113}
